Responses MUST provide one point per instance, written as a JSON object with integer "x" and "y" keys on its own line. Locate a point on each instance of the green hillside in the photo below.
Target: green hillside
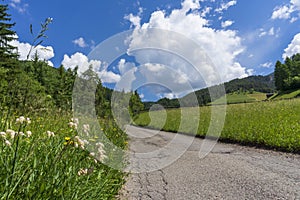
{"x": 287, "y": 95}
{"x": 249, "y": 89}
{"x": 234, "y": 98}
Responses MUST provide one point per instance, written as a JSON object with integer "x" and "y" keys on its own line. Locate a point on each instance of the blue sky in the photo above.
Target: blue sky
{"x": 245, "y": 37}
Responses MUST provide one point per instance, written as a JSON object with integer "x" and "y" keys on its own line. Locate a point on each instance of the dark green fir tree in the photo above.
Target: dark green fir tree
{"x": 7, "y": 51}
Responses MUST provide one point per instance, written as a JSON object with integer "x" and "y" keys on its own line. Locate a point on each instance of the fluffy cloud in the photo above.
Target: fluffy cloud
{"x": 293, "y": 47}
{"x": 124, "y": 66}
{"x": 270, "y": 32}
{"x": 267, "y": 65}
{"x": 16, "y": 4}
{"x": 286, "y": 11}
{"x": 250, "y": 72}
{"x": 109, "y": 77}
{"x": 80, "y": 42}
{"x": 296, "y": 4}
{"x": 142, "y": 96}
{"x": 135, "y": 20}
{"x": 154, "y": 67}
{"x": 283, "y": 12}
{"x": 44, "y": 53}
{"x": 225, "y": 6}
{"x": 221, "y": 46}
{"x": 190, "y": 5}
{"x": 82, "y": 62}
{"x": 226, "y": 23}
{"x": 206, "y": 11}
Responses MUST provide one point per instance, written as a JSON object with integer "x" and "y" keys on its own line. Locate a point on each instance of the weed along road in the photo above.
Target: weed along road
{"x": 227, "y": 172}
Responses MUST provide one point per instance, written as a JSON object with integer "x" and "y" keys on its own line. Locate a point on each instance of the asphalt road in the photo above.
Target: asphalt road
{"x": 228, "y": 172}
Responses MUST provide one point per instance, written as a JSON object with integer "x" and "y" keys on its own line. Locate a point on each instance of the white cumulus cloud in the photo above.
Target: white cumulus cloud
{"x": 221, "y": 46}
{"x": 206, "y": 11}
{"x": 283, "y": 12}
{"x": 267, "y": 65}
{"x": 19, "y": 6}
{"x": 293, "y": 47}
{"x": 44, "y": 53}
{"x": 296, "y": 4}
{"x": 154, "y": 67}
{"x": 286, "y": 11}
{"x": 80, "y": 42}
{"x": 135, "y": 20}
{"x": 83, "y": 63}
{"x": 16, "y": 1}
{"x": 227, "y": 23}
{"x": 225, "y": 6}
{"x": 124, "y": 66}
{"x": 270, "y": 32}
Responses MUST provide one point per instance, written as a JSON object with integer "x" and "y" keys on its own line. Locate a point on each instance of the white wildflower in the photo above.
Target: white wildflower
{"x": 102, "y": 157}
{"x": 82, "y": 172}
{"x": 86, "y": 142}
{"x": 3, "y": 134}
{"x": 7, "y": 143}
{"x": 21, "y": 120}
{"x": 99, "y": 144}
{"x": 73, "y": 125}
{"x": 86, "y": 129}
{"x": 92, "y": 154}
{"x": 50, "y": 134}
{"x": 101, "y": 152}
{"x": 79, "y": 141}
{"x": 75, "y": 120}
{"x": 11, "y": 133}
{"x": 28, "y": 120}
{"x": 21, "y": 133}
{"x": 28, "y": 133}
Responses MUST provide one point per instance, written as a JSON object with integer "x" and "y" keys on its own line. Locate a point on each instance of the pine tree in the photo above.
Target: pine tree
{"x": 7, "y": 35}
{"x": 287, "y": 75}
{"x": 279, "y": 76}
{"x": 135, "y": 104}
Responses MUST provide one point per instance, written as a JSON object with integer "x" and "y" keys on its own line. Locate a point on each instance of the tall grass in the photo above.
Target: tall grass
{"x": 44, "y": 158}
{"x": 270, "y": 124}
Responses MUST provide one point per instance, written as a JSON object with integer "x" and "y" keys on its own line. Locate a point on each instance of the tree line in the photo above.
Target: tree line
{"x": 33, "y": 85}
{"x": 264, "y": 84}
{"x": 287, "y": 74}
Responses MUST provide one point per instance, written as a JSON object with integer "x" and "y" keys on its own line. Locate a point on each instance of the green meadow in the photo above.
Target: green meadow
{"x": 273, "y": 124}
{"x": 42, "y": 156}
{"x": 234, "y": 98}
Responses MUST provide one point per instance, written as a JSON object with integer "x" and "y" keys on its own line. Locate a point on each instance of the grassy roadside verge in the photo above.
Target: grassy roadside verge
{"x": 274, "y": 125}
{"x": 43, "y": 157}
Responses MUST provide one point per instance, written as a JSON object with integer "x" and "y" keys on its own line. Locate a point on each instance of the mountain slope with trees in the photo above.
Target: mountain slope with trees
{"x": 251, "y": 84}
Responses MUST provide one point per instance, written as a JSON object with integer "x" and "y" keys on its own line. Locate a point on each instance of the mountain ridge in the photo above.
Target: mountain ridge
{"x": 255, "y": 83}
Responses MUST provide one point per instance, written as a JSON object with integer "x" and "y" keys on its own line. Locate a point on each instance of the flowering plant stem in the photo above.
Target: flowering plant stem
{"x": 14, "y": 161}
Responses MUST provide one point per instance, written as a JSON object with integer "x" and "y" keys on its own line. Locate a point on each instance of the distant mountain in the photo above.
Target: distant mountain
{"x": 264, "y": 84}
